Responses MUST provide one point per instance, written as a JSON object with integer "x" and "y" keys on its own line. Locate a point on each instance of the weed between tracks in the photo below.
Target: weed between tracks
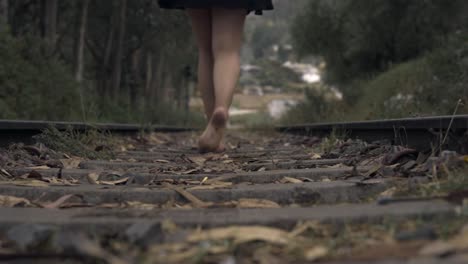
{"x": 91, "y": 144}
{"x": 441, "y": 183}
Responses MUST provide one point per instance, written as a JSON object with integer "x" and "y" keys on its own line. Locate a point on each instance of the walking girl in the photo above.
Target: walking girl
{"x": 218, "y": 27}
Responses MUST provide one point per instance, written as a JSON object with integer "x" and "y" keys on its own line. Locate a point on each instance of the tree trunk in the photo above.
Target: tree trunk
{"x": 3, "y": 12}
{"x": 149, "y": 75}
{"x": 50, "y": 22}
{"x": 79, "y": 66}
{"x": 136, "y": 80}
{"x": 157, "y": 80}
{"x": 104, "y": 84}
{"x": 117, "y": 73}
{"x": 146, "y": 96}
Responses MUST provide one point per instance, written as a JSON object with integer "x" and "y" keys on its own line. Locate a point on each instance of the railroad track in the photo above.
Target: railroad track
{"x": 271, "y": 198}
{"x": 421, "y": 133}
{"x": 24, "y": 131}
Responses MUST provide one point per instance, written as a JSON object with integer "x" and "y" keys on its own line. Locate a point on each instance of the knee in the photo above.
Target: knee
{"x": 225, "y": 45}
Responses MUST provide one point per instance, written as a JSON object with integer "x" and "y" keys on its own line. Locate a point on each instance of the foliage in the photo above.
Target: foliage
{"x": 361, "y": 38}
{"x": 430, "y": 85}
{"x": 390, "y": 59}
{"x": 320, "y": 105}
{"x": 37, "y": 75}
{"x": 34, "y": 86}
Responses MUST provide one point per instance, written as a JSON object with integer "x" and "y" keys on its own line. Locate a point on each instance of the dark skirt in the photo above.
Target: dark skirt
{"x": 251, "y": 5}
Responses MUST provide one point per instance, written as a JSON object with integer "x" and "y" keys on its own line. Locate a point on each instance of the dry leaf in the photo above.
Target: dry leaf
{"x": 30, "y": 183}
{"x": 92, "y": 178}
{"x": 438, "y": 248}
{"x": 389, "y": 193}
{"x": 44, "y": 167}
{"x": 117, "y": 182}
{"x": 336, "y": 166}
{"x": 231, "y": 146}
{"x": 243, "y": 234}
{"x": 256, "y": 203}
{"x": 315, "y": 156}
{"x": 168, "y": 226}
{"x": 204, "y": 180}
{"x": 373, "y": 170}
{"x": 200, "y": 161}
{"x": 197, "y": 203}
{"x": 291, "y": 180}
{"x": 12, "y": 201}
{"x": 315, "y": 253}
{"x": 302, "y": 227}
{"x": 191, "y": 171}
{"x": 53, "y": 181}
{"x": 212, "y": 186}
{"x": 262, "y": 169}
{"x": 59, "y": 202}
{"x": 162, "y": 161}
{"x": 6, "y": 173}
{"x": 154, "y": 139}
{"x": 140, "y": 205}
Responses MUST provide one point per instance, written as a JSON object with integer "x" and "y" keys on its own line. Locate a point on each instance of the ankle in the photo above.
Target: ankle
{"x": 220, "y": 117}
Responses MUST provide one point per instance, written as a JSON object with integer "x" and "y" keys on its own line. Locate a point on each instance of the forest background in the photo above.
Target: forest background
{"x": 129, "y": 61}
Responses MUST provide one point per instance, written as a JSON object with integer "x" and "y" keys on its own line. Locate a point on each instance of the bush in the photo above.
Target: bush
{"x": 37, "y": 86}
{"x": 34, "y": 86}
{"x": 430, "y": 85}
{"x": 320, "y": 105}
{"x": 366, "y": 37}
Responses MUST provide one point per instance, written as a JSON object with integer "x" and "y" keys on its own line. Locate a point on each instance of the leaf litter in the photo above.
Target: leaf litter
{"x": 225, "y": 240}
{"x": 316, "y": 247}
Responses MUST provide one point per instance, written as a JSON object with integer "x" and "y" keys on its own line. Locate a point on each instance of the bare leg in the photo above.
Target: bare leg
{"x": 227, "y": 32}
{"x": 228, "y": 29}
{"x": 201, "y": 25}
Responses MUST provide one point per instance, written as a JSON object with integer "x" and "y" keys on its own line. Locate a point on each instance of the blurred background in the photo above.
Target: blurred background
{"x": 306, "y": 61}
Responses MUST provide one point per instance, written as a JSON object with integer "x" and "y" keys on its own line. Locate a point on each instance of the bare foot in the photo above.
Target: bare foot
{"x": 210, "y": 140}
{"x": 221, "y": 148}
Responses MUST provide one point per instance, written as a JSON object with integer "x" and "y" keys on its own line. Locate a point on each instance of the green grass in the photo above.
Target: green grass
{"x": 91, "y": 144}
{"x": 430, "y": 85}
